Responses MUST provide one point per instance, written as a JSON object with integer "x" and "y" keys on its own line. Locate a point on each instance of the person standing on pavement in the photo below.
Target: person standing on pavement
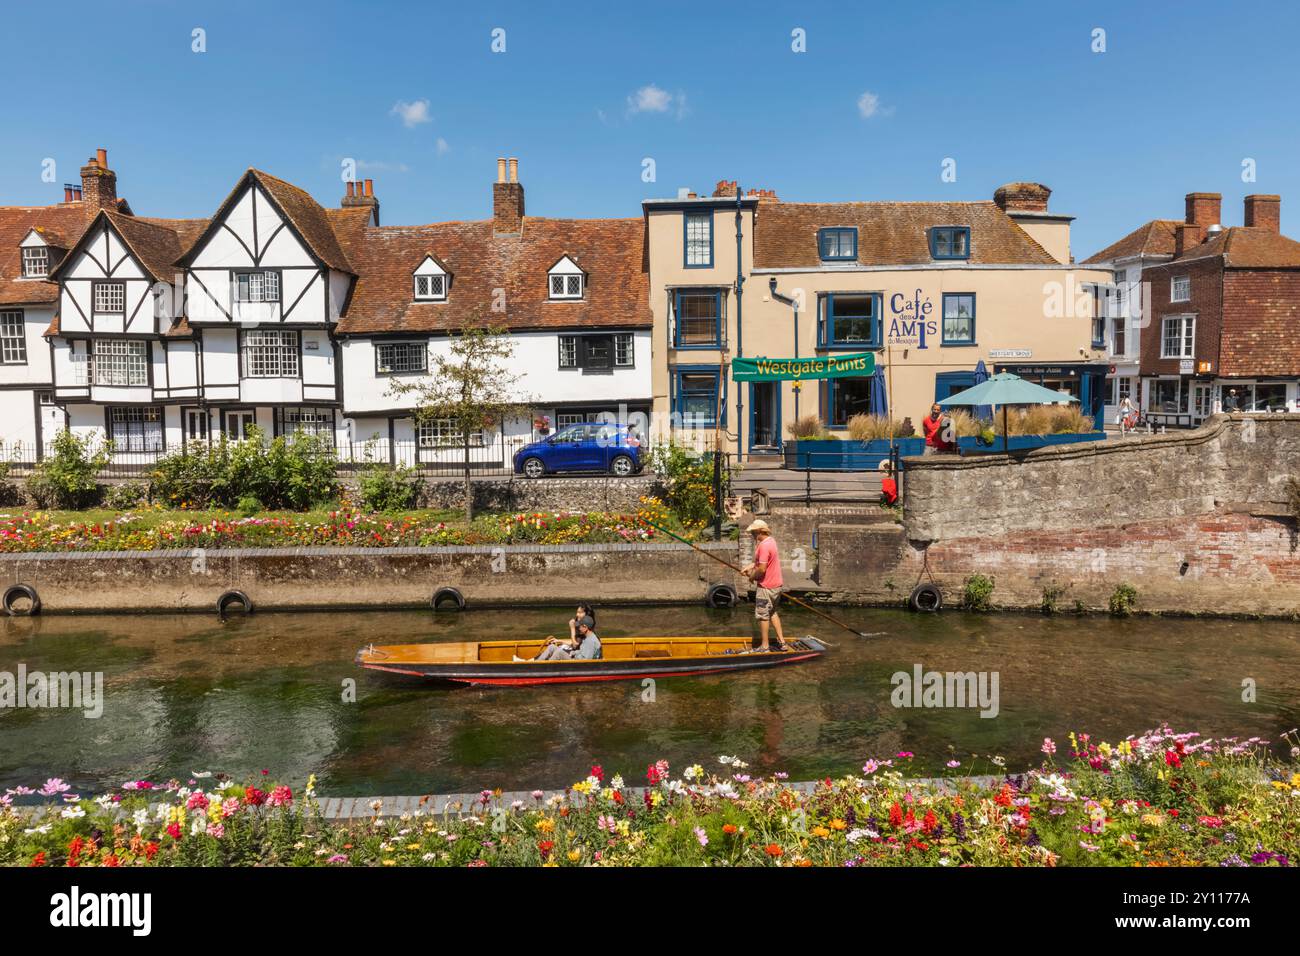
{"x": 766, "y": 573}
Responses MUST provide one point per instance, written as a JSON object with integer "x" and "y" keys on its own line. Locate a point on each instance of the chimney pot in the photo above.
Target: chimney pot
{"x": 514, "y": 169}
{"x": 370, "y": 187}
{"x": 1022, "y": 197}
{"x": 67, "y": 194}
{"x": 1264, "y": 212}
{"x": 76, "y": 193}
{"x": 351, "y": 186}
{"x": 101, "y": 157}
{"x": 501, "y": 169}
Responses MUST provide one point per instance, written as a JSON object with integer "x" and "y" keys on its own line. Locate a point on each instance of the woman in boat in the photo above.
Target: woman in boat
{"x": 583, "y": 644}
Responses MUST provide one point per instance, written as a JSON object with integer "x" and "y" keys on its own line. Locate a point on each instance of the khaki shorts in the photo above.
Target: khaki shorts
{"x": 766, "y": 601}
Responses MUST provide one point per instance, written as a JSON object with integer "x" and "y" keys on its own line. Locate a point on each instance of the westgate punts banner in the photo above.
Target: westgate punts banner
{"x": 779, "y": 369}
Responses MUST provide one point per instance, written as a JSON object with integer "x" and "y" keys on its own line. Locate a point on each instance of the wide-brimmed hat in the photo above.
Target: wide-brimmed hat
{"x": 758, "y": 525}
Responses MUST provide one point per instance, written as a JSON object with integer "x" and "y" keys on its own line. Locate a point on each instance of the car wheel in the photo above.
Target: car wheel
{"x": 622, "y": 466}
{"x": 534, "y": 468}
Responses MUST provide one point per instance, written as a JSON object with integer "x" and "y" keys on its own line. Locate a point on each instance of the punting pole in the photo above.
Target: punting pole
{"x": 803, "y": 604}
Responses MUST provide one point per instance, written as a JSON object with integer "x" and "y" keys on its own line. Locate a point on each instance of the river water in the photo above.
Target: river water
{"x": 185, "y": 693}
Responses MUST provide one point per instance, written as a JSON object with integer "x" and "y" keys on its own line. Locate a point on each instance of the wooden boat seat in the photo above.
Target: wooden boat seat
{"x": 653, "y": 653}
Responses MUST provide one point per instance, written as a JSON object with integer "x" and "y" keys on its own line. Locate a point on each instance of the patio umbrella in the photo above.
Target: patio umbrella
{"x": 879, "y": 396}
{"x": 1006, "y": 389}
{"x": 983, "y": 412}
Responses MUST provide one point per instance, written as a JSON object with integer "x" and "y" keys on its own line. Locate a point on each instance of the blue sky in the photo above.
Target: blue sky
{"x": 585, "y": 92}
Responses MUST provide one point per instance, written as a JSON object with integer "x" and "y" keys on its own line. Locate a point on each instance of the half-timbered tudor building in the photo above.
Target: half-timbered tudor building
{"x": 282, "y": 314}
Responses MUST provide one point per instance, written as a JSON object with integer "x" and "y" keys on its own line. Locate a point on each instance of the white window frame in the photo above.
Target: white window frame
{"x": 566, "y": 285}
{"x": 1186, "y": 336}
{"x": 36, "y": 262}
{"x": 108, "y": 293}
{"x": 624, "y": 342}
{"x": 269, "y": 353}
{"x": 146, "y": 436}
{"x": 408, "y": 349}
{"x": 697, "y": 233}
{"x": 119, "y": 363}
{"x": 1186, "y": 284}
{"x": 442, "y": 433}
{"x": 568, "y": 351}
{"x": 435, "y": 287}
{"x": 13, "y": 337}
{"x": 257, "y": 286}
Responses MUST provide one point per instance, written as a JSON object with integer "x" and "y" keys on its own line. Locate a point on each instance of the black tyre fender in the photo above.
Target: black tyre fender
{"x": 444, "y": 596}
{"x": 720, "y": 595}
{"x": 925, "y": 598}
{"x": 16, "y": 591}
{"x": 234, "y": 601}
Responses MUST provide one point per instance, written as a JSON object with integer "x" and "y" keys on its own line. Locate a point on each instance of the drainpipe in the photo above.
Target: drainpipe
{"x": 740, "y": 325}
{"x": 794, "y": 304}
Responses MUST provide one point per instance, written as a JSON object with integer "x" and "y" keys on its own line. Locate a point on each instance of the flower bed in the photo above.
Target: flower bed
{"x": 35, "y": 531}
{"x": 1159, "y": 799}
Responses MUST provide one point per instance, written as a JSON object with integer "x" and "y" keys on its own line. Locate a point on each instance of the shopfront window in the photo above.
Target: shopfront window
{"x": 1167, "y": 396}
{"x": 847, "y": 397}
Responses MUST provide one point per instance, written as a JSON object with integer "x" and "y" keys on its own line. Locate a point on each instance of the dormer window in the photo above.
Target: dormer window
{"x": 950, "y": 242}
{"x": 837, "y": 244}
{"x": 36, "y": 262}
{"x": 431, "y": 281}
{"x": 565, "y": 280}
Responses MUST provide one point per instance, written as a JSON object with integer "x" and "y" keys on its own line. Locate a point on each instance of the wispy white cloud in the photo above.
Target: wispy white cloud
{"x": 869, "y": 106}
{"x": 654, "y": 99}
{"x": 412, "y": 114}
{"x": 442, "y": 146}
{"x": 381, "y": 166}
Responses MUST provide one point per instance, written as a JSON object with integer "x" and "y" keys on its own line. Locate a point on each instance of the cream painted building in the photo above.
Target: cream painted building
{"x": 929, "y": 288}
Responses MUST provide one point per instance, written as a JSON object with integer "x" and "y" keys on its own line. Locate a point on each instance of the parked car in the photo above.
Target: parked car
{"x": 587, "y": 446}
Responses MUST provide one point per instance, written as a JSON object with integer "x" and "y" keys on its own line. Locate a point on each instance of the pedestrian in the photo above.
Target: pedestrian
{"x": 1231, "y": 403}
{"x": 934, "y": 425}
{"x": 765, "y": 571}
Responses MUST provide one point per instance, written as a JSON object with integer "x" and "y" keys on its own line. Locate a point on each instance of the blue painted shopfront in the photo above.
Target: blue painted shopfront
{"x": 1087, "y": 383}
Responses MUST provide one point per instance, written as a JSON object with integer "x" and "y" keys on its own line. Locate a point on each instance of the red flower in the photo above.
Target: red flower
{"x": 895, "y": 815}
{"x": 254, "y": 797}
{"x": 174, "y": 831}
{"x": 545, "y": 848}
{"x": 1173, "y": 813}
{"x": 930, "y": 821}
{"x": 38, "y": 859}
{"x": 150, "y": 850}
{"x": 1172, "y": 759}
{"x": 652, "y": 775}
{"x": 598, "y": 772}
{"x": 1004, "y": 796}
{"x": 111, "y": 860}
{"x": 773, "y": 850}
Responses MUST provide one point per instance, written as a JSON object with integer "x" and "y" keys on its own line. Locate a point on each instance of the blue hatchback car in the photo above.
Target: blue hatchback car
{"x": 587, "y": 446}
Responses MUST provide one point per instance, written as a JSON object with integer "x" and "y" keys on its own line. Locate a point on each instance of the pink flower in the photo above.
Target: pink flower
{"x": 52, "y": 786}
{"x": 605, "y": 822}
{"x": 281, "y": 796}
{"x": 337, "y": 858}
{"x": 217, "y": 830}
{"x": 1049, "y": 746}
{"x": 701, "y": 836}
{"x": 197, "y": 801}
{"x": 905, "y": 753}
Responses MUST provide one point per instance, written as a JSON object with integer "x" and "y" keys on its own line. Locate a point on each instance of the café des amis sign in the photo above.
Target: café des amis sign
{"x": 791, "y": 369}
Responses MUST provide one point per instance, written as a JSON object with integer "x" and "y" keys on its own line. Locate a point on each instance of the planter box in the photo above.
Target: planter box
{"x": 973, "y": 446}
{"x": 846, "y": 455}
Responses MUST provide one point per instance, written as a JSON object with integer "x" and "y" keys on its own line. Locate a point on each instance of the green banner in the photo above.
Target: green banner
{"x": 779, "y": 369}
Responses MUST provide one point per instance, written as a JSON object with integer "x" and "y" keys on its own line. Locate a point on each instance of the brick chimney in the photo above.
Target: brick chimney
{"x": 725, "y": 187}
{"x": 1187, "y": 236}
{"x": 1203, "y": 209}
{"x": 361, "y": 194}
{"x": 1264, "y": 212}
{"x": 763, "y": 195}
{"x": 98, "y": 182}
{"x": 507, "y": 200}
{"x": 1022, "y": 197}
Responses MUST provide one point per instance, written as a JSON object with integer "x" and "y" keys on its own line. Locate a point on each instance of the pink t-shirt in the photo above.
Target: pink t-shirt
{"x": 765, "y": 553}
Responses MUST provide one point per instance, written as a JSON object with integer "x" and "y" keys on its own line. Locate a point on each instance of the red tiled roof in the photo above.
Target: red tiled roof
{"x": 157, "y": 243}
{"x": 1154, "y": 238}
{"x": 889, "y": 233}
{"x": 612, "y": 252}
{"x": 1249, "y": 247}
{"x": 60, "y": 225}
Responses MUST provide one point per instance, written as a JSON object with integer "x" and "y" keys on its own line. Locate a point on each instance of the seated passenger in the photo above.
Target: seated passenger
{"x": 582, "y": 643}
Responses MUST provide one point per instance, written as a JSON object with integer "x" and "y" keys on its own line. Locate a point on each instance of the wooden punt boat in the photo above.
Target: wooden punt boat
{"x": 624, "y": 658}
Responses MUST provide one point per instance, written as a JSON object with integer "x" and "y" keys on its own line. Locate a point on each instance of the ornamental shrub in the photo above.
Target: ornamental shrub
{"x": 385, "y": 488}
{"x": 67, "y": 479}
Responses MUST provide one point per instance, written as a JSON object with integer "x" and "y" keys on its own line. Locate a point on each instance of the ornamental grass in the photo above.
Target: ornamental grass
{"x": 1158, "y": 799}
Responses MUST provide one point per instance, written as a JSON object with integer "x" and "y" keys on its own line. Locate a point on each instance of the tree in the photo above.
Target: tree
{"x": 471, "y": 387}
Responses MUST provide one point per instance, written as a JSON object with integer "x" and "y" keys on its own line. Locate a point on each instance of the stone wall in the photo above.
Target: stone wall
{"x": 367, "y": 577}
{"x": 1235, "y": 462}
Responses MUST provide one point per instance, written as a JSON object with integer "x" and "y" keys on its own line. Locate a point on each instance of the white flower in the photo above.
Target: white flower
{"x": 104, "y": 800}
{"x": 200, "y": 774}
{"x": 43, "y": 828}
{"x": 617, "y": 782}
{"x": 140, "y": 817}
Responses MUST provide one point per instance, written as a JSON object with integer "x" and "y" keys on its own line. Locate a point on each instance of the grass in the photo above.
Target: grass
{"x": 146, "y": 518}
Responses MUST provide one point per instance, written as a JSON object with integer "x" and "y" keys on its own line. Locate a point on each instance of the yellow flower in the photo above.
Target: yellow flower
{"x": 820, "y": 831}
{"x": 1153, "y": 819}
{"x": 1295, "y": 780}
{"x": 412, "y": 846}
{"x": 575, "y": 856}
{"x": 390, "y": 862}
{"x": 545, "y": 825}
{"x": 838, "y": 824}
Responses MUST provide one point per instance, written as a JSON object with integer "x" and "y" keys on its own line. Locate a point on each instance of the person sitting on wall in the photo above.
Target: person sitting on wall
{"x": 934, "y": 426}
{"x": 1230, "y": 401}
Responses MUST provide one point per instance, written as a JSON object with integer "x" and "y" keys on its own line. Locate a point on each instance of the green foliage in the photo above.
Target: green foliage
{"x": 1051, "y": 595}
{"x": 249, "y": 505}
{"x": 125, "y": 496}
{"x": 978, "y": 594}
{"x": 686, "y": 482}
{"x": 1122, "y": 600}
{"x": 384, "y": 488}
{"x": 67, "y": 478}
{"x": 292, "y": 473}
